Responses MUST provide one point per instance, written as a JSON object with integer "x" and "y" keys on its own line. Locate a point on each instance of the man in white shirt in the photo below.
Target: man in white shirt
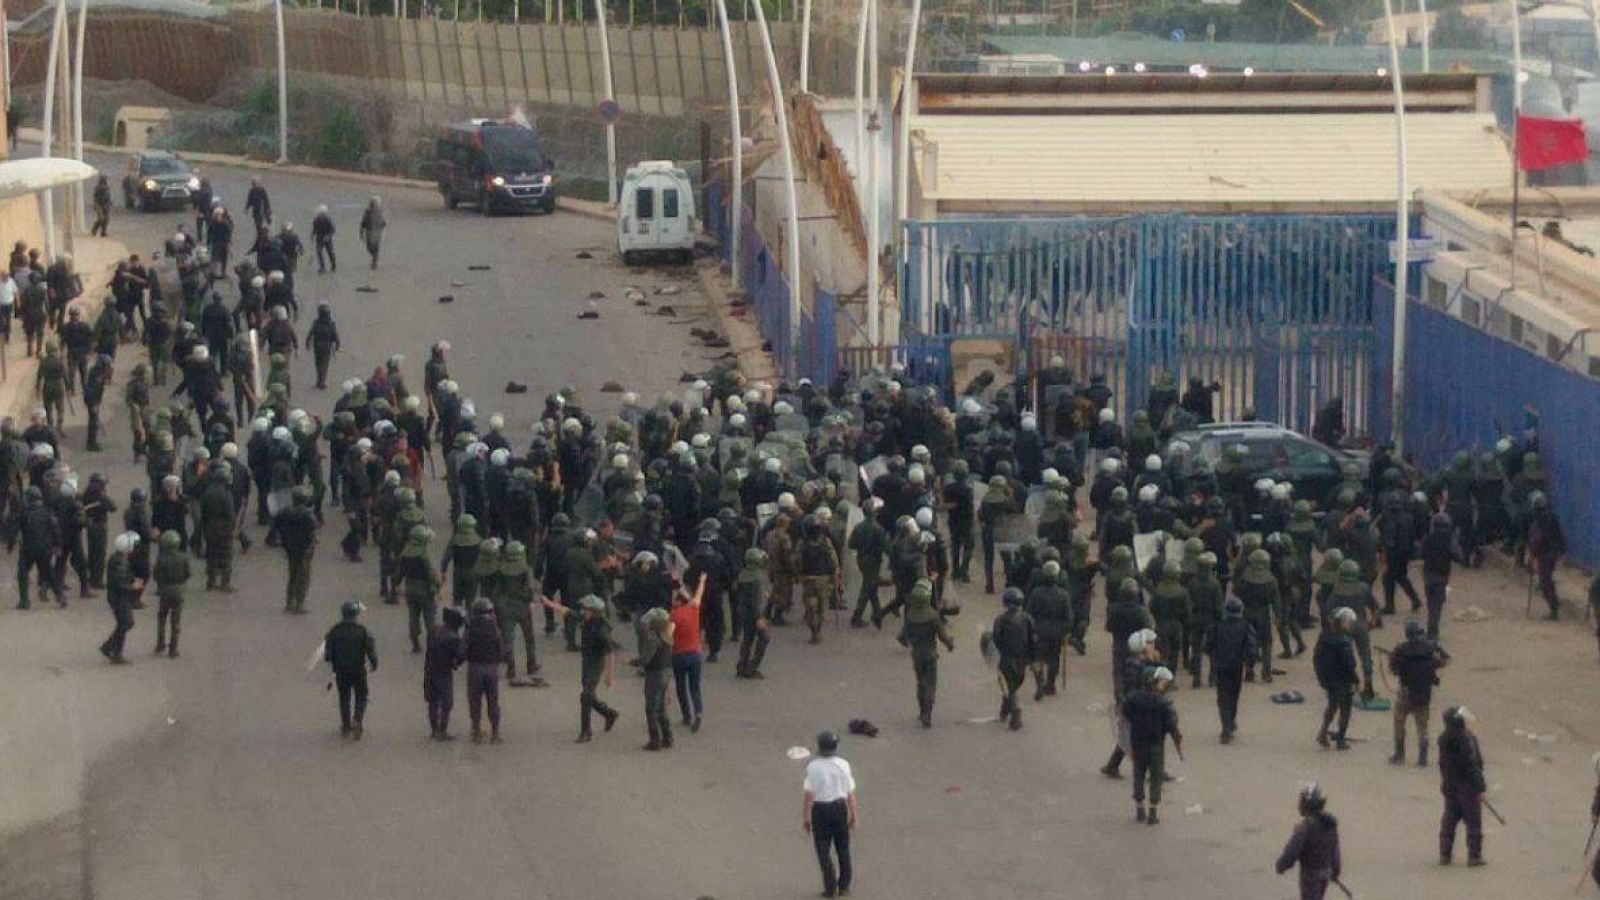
{"x": 8, "y": 304}
{"x": 829, "y": 812}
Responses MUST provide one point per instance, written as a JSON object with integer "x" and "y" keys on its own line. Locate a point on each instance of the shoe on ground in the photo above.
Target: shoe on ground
{"x": 1139, "y": 815}
{"x": 585, "y": 738}
{"x": 1111, "y": 771}
{"x": 1476, "y": 861}
{"x": 1152, "y": 818}
{"x": 611, "y": 720}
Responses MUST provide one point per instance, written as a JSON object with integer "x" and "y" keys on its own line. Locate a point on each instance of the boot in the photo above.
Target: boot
{"x": 1016, "y": 718}
{"x": 477, "y": 733}
{"x": 1152, "y": 818}
{"x": 1422, "y": 755}
{"x": 611, "y": 717}
{"x": 494, "y": 734}
{"x": 1139, "y": 814}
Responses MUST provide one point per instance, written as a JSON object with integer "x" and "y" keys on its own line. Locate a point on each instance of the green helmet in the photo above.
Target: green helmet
{"x": 171, "y": 540}
{"x": 1259, "y": 559}
{"x": 1128, "y": 591}
{"x": 755, "y": 558}
{"x": 405, "y": 496}
{"x": 1349, "y": 570}
{"x": 1249, "y": 542}
{"x": 1121, "y": 555}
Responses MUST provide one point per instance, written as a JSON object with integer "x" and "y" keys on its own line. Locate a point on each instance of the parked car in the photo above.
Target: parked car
{"x": 157, "y": 179}
{"x": 494, "y": 165}
{"x": 655, "y": 214}
{"x": 1314, "y": 469}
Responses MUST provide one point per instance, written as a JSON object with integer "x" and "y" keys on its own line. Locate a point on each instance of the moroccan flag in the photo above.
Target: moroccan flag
{"x": 1547, "y": 143}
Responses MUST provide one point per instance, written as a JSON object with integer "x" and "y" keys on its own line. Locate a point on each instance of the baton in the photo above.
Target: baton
{"x": 1589, "y": 844}
{"x": 1347, "y": 892}
{"x": 1502, "y": 819}
{"x": 1527, "y": 609}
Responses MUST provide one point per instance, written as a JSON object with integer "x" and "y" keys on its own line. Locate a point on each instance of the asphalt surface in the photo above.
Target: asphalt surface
{"x": 236, "y": 784}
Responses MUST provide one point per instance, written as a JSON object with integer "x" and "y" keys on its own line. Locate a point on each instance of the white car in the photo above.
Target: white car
{"x": 655, "y": 213}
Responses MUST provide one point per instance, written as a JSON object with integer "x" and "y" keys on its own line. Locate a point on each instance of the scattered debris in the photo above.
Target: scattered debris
{"x": 611, "y": 387}
{"x": 447, "y": 298}
{"x": 1472, "y": 614}
{"x": 1290, "y": 696}
{"x": 171, "y": 721}
{"x": 863, "y": 727}
{"x": 666, "y": 311}
{"x": 953, "y": 789}
{"x": 597, "y": 295}
{"x": 1194, "y": 810}
{"x": 532, "y": 681}
{"x": 983, "y": 720}
{"x": 645, "y": 303}
{"x": 688, "y": 378}
{"x": 480, "y": 267}
{"x": 669, "y": 290}
{"x": 516, "y": 387}
{"x": 1374, "y": 704}
{"x": 1095, "y": 708}
{"x": 797, "y": 753}
{"x": 366, "y": 289}
{"x": 588, "y": 314}
{"x": 718, "y": 343}
{"x": 584, "y": 254}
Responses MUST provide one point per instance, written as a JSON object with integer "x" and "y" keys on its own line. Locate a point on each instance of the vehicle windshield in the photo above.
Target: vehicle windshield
{"x": 164, "y": 165}
{"x": 512, "y": 149}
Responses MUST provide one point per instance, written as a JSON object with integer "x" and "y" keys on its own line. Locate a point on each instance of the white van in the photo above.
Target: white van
{"x": 655, "y": 213}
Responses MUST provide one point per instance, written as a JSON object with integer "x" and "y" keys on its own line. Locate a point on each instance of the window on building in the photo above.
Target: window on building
{"x": 1437, "y": 294}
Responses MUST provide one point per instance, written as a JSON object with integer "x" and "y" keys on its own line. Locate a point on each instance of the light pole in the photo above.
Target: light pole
{"x": 1402, "y": 229}
{"x": 736, "y": 139}
{"x": 1422, "y": 7}
{"x": 779, "y": 108}
{"x": 283, "y": 87}
{"x": 861, "y": 79}
{"x": 805, "y": 48}
{"x": 77, "y": 108}
{"x": 902, "y": 190}
{"x": 874, "y": 182}
{"x": 1594, "y": 25}
{"x": 57, "y": 38}
{"x": 611, "y": 126}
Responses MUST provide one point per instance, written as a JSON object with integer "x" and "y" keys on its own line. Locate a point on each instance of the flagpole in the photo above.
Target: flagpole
{"x": 1516, "y": 126}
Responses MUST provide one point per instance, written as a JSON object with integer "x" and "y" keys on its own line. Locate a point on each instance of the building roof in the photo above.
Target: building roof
{"x": 1226, "y": 162}
{"x": 1168, "y": 54}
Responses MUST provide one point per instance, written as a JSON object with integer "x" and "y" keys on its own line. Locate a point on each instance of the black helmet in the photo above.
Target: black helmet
{"x": 1414, "y": 629}
{"x": 1012, "y": 596}
{"x": 350, "y": 610}
{"x": 1216, "y": 506}
{"x": 652, "y": 502}
{"x": 827, "y": 743}
{"x": 560, "y": 520}
{"x": 1233, "y": 608}
{"x": 1312, "y": 799}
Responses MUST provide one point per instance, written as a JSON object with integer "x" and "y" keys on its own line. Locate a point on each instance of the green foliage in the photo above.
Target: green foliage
{"x": 342, "y": 141}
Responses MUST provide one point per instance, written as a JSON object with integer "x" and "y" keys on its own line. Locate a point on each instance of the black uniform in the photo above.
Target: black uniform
{"x": 1014, "y": 637}
{"x": 1233, "y": 648}
{"x": 1461, "y": 782}
{"x": 350, "y": 648}
{"x": 1314, "y": 845}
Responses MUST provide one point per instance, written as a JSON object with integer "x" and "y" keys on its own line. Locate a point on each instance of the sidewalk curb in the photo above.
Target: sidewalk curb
{"x": 588, "y": 208}
{"x": 743, "y": 334}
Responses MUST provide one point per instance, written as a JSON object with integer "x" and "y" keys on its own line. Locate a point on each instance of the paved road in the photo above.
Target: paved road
{"x": 239, "y": 787}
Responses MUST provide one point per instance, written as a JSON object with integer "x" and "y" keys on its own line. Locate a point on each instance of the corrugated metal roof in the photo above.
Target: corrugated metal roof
{"x": 1239, "y": 161}
{"x": 1123, "y": 51}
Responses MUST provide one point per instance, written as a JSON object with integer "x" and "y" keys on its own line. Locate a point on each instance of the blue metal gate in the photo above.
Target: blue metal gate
{"x": 1275, "y": 308}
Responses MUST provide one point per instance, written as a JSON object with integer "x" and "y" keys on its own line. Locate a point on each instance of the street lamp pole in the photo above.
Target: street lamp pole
{"x": 902, "y": 191}
{"x": 805, "y": 48}
{"x": 611, "y": 126}
{"x": 283, "y": 86}
{"x": 77, "y": 108}
{"x": 1402, "y": 228}
{"x": 780, "y": 111}
{"x": 735, "y": 139}
{"x": 57, "y": 38}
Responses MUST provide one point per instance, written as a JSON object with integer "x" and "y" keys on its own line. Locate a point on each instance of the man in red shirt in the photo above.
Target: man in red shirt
{"x": 686, "y": 660}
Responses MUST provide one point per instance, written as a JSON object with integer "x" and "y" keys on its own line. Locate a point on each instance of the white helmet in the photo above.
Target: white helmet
{"x": 773, "y": 465}
{"x": 924, "y": 518}
{"x": 496, "y": 421}
{"x": 1152, "y": 463}
{"x": 1107, "y": 416}
{"x": 620, "y": 461}
{"x": 700, "y": 441}
{"x": 917, "y": 474}
{"x": 786, "y": 500}
{"x": 1263, "y": 485}
{"x": 1149, "y": 493}
{"x": 500, "y": 457}
{"x": 1110, "y": 465}
{"x": 125, "y": 542}
{"x": 1282, "y": 490}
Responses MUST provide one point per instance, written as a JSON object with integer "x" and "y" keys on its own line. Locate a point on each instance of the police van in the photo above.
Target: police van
{"x": 655, "y": 212}
{"x": 493, "y": 165}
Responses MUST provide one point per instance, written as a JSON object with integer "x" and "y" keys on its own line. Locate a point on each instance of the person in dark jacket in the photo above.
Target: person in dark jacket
{"x": 1546, "y": 544}
{"x": 870, "y": 543}
{"x": 1233, "y": 648}
{"x": 1335, "y": 664}
{"x": 1014, "y": 637}
{"x": 439, "y": 664}
{"x": 40, "y": 535}
{"x": 1050, "y": 605}
{"x": 1416, "y": 663}
{"x": 595, "y": 647}
{"x": 122, "y": 592}
{"x": 1151, "y": 718}
{"x": 1314, "y": 846}
{"x": 1439, "y": 552}
{"x": 484, "y": 651}
{"x": 349, "y": 648}
{"x": 1461, "y": 782}
{"x": 655, "y": 661}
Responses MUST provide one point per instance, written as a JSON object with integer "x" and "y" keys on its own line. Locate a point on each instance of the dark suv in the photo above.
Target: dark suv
{"x": 157, "y": 179}
{"x": 1313, "y": 468}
